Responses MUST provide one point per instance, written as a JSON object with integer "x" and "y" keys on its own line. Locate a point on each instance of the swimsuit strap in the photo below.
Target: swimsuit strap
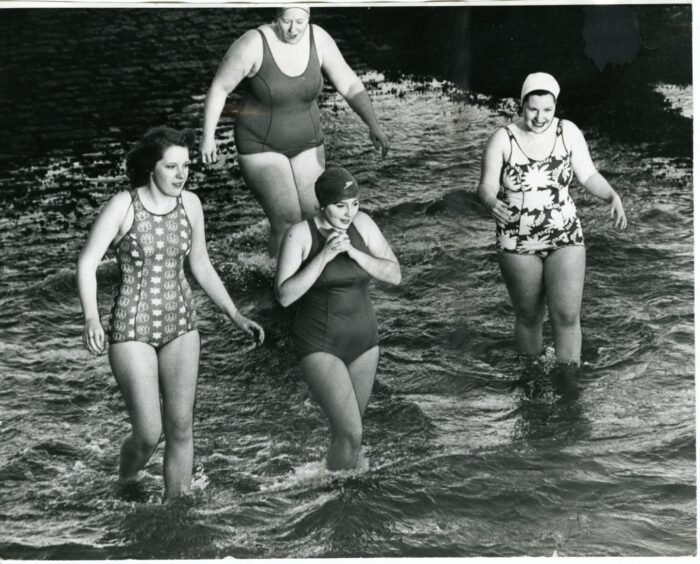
{"x": 560, "y": 134}
{"x": 267, "y": 53}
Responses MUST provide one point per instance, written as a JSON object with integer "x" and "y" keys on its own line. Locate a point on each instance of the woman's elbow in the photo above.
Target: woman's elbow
{"x": 85, "y": 264}
{"x": 395, "y": 278}
{"x": 283, "y": 296}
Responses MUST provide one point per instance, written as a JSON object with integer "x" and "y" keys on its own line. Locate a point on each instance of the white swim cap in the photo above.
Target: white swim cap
{"x": 539, "y": 81}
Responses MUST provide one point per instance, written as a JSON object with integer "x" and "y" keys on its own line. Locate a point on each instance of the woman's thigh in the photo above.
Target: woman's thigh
{"x": 270, "y": 178}
{"x": 330, "y": 384}
{"x": 178, "y": 365}
{"x": 524, "y": 278}
{"x": 362, "y": 372}
{"x": 135, "y": 367}
{"x": 564, "y": 273}
{"x": 307, "y": 167}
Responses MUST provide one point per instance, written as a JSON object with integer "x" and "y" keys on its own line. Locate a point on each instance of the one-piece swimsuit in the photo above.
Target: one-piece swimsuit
{"x": 336, "y": 314}
{"x": 280, "y": 112}
{"x": 154, "y": 303}
{"x": 543, "y": 216}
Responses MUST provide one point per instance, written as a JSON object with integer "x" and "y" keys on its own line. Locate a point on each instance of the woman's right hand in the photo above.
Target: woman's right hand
{"x": 207, "y": 149}
{"x": 499, "y": 210}
{"x": 94, "y": 336}
{"x": 337, "y": 242}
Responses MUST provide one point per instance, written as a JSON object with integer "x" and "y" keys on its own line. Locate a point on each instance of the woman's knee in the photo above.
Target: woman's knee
{"x": 350, "y": 433}
{"x": 565, "y": 317}
{"x": 146, "y": 439}
{"x": 178, "y": 430}
{"x": 530, "y": 317}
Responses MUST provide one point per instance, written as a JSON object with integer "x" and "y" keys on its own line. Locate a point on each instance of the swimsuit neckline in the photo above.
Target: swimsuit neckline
{"x": 551, "y": 153}
{"x": 138, "y": 196}
{"x": 272, "y": 56}
{"x": 318, "y": 230}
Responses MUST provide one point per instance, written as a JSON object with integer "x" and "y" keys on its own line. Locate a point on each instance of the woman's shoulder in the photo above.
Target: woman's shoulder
{"x": 249, "y": 42}
{"x": 121, "y": 200}
{"x": 570, "y": 132}
{"x": 363, "y": 220}
{"x": 365, "y": 225}
{"x": 300, "y": 229}
{"x": 191, "y": 202}
{"x": 500, "y": 139}
{"x": 321, "y": 36}
{"x": 568, "y": 126}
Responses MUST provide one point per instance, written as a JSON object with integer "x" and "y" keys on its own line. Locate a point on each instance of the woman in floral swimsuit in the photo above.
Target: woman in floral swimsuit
{"x": 527, "y": 167}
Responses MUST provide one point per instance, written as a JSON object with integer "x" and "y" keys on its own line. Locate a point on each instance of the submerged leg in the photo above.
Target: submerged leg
{"x": 135, "y": 367}
{"x": 331, "y": 385}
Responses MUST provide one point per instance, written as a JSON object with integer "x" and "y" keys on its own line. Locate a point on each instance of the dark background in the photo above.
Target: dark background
{"x": 66, "y": 77}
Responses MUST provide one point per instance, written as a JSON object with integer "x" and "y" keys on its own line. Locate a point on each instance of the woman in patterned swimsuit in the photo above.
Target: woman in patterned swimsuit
{"x": 527, "y": 168}
{"x": 154, "y": 343}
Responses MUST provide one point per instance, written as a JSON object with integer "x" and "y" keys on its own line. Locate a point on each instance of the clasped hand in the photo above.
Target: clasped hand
{"x": 337, "y": 242}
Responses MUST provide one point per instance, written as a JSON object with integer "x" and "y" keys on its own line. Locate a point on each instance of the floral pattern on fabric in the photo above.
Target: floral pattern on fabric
{"x": 154, "y": 303}
{"x": 543, "y": 215}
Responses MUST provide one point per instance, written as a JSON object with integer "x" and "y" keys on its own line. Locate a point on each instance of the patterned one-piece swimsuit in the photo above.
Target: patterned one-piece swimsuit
{"x": 543, "y": 215}
{"x": 154, "y": 303}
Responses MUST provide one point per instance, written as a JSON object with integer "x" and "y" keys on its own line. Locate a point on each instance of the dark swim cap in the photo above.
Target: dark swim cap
{"x": 334, "y": 185}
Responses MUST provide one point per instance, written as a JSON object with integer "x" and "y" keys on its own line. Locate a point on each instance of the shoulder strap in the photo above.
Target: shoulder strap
{"x": 560, "y": 135}
{"x": 266, "y": 48}
{"x": 135, "y": 200}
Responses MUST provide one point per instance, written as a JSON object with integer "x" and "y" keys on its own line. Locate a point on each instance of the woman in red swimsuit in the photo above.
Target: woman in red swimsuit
{"x": 526, "y": 170}
{"x": 153, "y": 339}
{"x": 325, "y": 265}
{"x": 278, "y": 132}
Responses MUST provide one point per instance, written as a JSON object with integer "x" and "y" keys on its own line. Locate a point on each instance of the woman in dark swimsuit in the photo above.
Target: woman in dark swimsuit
{"x": 153, "y": 338}
{"x": 278, "y": 132}
{"x": 326, "y": 264}
{"x": 526, "y": 170}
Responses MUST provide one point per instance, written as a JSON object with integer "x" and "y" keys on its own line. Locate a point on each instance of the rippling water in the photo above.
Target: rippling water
{"x": 454, "y": 464}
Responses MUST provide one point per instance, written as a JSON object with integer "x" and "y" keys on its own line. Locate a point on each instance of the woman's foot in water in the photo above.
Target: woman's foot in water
{"x": 565, "y": 379}
{"x": 132, "y": 489}
{"x": 530, "y": 369}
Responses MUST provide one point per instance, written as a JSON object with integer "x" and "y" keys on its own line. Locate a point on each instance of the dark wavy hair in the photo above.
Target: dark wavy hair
{"x": 536, "y": 93}
{"x": 143, "y": 156}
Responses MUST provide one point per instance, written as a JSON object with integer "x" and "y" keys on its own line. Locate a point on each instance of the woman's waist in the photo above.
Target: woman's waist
{"x": 347, "y": 301}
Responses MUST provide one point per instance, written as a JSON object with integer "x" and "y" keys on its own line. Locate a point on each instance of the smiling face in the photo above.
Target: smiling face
{"x": 170, "y": 172}
{"x": 538, "y": 112}
{"x": 292, "y": 23}
{"x": 341, "y": 214}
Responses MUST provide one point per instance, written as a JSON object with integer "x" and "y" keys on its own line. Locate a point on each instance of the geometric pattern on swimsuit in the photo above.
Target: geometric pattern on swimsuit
{"x": 154, "y": 303}
{"x": 543, "y": 215}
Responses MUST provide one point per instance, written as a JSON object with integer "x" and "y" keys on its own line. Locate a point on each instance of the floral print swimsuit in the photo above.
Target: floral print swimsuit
{"x": 543, "y": 215}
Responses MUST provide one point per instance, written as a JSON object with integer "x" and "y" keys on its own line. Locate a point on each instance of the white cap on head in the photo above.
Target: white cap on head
{"x": 539, "y": 81}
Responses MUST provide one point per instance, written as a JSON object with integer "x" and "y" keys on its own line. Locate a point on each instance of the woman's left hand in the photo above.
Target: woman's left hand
{"x": 617, "y": 213}
{"x": 380, "y": 140}
{"x": 249, "y": 327}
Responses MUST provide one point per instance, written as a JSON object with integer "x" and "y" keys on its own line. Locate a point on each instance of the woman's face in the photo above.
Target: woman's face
{"x": 293, "y": 23}
{"x": 538, "y": 112}
{"x": 341, "y": 214}
{"x": 170, "y": 172}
